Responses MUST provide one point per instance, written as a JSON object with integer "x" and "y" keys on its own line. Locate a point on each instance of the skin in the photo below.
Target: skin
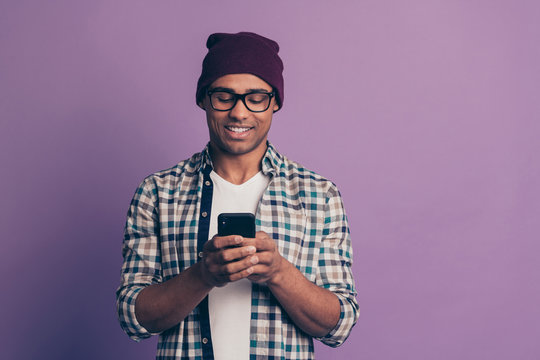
{"x": 237, "y": 158}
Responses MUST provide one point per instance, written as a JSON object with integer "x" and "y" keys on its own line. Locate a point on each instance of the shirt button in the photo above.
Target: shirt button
{"x": 200, "y": 254}
{"x": 204, "y": 214}
{"x": 207, "y": 183}
{"x": 205, "y": 341}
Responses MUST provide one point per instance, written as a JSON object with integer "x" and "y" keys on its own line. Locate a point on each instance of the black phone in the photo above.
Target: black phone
{"x": 242, "y": 224}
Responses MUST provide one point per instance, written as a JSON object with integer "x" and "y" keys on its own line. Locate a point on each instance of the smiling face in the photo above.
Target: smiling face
{"x": 239, "y": 131}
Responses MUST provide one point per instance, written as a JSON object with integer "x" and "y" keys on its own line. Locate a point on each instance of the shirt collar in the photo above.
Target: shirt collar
{"x": 270, "y": 162}
{"x": 206, "y": 160}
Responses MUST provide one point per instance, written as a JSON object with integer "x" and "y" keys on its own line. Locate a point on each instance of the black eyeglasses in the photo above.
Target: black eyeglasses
{"x": 222, "y": 100}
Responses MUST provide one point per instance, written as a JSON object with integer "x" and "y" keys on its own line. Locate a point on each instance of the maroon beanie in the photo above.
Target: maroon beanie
{"x": 241, "y": 53}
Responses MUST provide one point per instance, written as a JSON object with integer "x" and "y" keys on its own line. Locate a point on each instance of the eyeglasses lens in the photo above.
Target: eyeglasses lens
{"x": 256, "y": 102}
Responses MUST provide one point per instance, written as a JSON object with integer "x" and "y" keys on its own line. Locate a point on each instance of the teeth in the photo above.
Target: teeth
{"x": 237, "y": 129}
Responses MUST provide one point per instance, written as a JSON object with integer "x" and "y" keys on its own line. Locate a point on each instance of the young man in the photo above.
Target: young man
{"x": 229, "y": 297}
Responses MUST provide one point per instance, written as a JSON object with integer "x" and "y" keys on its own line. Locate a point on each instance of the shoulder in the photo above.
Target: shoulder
{"x": 308, "y": 182}
{"x": 171, "y": 178}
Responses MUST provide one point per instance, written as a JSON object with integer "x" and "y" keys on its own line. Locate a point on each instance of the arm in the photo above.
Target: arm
{"x": 319, "y": 310}
{"x": 334, "y": 272}
{"x": 141, "y": 252}
{"x": 313, "y": 309}
{"x": 147, "y": 305}
{"x": 327, "y": 309}
{"x": 161, "y": 306}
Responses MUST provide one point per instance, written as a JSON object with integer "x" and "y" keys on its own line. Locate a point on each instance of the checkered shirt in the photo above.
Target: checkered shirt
{"x": 166, "y": 229}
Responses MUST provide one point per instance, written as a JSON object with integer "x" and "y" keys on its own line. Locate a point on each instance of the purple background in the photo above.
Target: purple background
{"x": 425, "y": 113}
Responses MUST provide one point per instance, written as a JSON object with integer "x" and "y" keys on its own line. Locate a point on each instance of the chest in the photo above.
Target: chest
{"x": 294, "y": 219}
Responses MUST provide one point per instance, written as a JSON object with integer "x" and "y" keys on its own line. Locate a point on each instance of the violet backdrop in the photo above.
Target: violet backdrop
{"x": 425, "y": 113}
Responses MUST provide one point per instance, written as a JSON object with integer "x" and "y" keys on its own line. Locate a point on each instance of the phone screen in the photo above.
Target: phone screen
{"x": 242, "y": 224}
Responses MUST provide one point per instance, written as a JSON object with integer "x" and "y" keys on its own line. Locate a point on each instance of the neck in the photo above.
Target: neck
{"x": 234, "y": 168}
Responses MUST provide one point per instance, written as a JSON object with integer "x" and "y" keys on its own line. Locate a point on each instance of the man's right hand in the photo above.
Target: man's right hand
{"x": 227, "y": 259}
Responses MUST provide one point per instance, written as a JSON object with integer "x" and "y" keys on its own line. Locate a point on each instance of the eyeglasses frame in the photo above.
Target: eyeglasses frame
{"x": 241, "y": 97}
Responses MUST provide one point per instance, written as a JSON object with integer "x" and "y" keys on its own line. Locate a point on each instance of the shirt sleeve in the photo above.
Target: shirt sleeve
{"x": 334, "y": 268}
{"x": 141, "y": 252}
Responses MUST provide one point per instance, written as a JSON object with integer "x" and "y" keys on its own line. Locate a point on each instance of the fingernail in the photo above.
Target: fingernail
{"x": 238, "y": 239}
{"x": 250, "y": 270}
{"x": 254, "y": 260}
{"x": 251, "y": 249}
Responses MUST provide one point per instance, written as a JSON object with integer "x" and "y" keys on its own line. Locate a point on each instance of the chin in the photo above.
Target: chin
{"x": 238, "y": 148}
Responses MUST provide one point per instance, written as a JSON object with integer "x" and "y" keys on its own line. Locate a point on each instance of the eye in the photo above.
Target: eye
{"x": 257, "y": 98}
{"x": 223, "y": 97}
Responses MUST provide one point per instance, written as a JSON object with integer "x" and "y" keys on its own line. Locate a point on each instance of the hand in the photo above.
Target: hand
{"x": 269, "y": 261}
{"x": 227, "y": 259}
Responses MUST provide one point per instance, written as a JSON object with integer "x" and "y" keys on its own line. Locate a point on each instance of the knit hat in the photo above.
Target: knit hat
{"x": 244, "y": 52}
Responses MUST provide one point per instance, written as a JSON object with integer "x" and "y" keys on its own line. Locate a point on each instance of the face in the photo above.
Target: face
{"x": 239, "y": 131}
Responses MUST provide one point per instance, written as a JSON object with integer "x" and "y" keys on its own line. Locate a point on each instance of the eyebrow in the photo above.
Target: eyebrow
{"x": 219, "y": 88}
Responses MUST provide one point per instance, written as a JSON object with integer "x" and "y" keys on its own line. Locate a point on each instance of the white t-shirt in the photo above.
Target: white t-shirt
{"x": 229, "y": 306}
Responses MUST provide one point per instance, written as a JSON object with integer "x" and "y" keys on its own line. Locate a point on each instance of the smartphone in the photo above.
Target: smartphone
{"x": 242, "y": 224}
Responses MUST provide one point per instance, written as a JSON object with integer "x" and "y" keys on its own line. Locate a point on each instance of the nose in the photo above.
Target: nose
{"x": 239, "y": 111}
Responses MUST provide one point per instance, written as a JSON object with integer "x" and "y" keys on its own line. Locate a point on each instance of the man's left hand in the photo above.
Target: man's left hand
{"x": 270, "y": 264}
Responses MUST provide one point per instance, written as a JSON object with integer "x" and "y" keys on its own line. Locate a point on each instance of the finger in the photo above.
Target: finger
{"x": 260, "y": 274}
{"x": 265, "y": 257}
{"x": 241, "y": 274}
{"x": 260, "y": 269}
{"x": 220, "y": 242}
{"x": 258, "y": 235}
{"x": 232, "y": 254}
{"x": 261, "y": 235}
{"x": 241, "y": 265}
{"x": 265, "y": 243}
{"x": 249, "y": 241}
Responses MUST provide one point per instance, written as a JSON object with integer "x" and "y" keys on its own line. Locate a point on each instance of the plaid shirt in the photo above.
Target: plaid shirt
{"x": 167, "y": 225}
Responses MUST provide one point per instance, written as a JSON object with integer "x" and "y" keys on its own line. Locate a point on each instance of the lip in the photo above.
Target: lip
{"x": 238, "y": 135}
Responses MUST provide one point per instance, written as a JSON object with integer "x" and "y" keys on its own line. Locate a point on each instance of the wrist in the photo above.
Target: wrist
{"x": 202, "y": 274}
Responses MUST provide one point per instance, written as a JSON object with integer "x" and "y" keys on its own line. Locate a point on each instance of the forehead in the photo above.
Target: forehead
{"x": 241, "y": 83}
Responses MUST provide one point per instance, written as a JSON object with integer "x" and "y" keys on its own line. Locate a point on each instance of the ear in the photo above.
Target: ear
{"x": 201, "y": 104}
{"x": 275, "y": 107}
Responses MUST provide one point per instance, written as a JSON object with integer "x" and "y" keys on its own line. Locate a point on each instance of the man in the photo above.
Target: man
{"x": 232, "y": 297}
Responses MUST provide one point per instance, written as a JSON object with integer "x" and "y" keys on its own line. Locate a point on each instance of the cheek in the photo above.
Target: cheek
{"x": 211, "y": 124}
{"x": 212, "y": 120}
{"x": 214, "y": 124}
{"x": 266, "y": 122}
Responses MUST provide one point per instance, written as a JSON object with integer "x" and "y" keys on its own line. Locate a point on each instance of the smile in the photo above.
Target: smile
{"x": 237, "y": 129}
